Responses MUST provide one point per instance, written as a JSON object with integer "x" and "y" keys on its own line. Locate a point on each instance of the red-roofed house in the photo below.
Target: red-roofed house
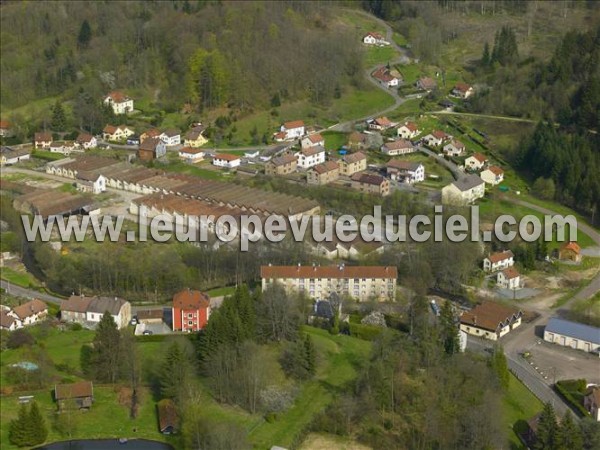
{"x": 476, "y": 161}
{"x": 570, "y": 251}
{"x": 454, "y": 148}
{"x": 384, "y": 77}
{"x": 293, "y": 130}
{"x": 380, "y": 123}
{"x": 398, "y": 147}
{"x": 191, "y": 154}
{"x": 86, "y": 140}
{"x": 490, "y": 320}
{"x": 42, "y": 140}
{"x": 373, "y": 38}
{"x": 120, "y": 103}
{"x": 509, "y": 278}
{"x": 5, "y": 128}
{"x": 498, "y": 261}
{"x": 435, "y": 138}
{"x": 323, "y": 173}
{"x": 119, "y": 133}
{"x": 226, "y": 160}
{"x": 191, "y": 310}
{"x": 462, "y": 90}
{"x": 409, "y": 130}
{"x": 426, "y": 84}
{"x": 312, "y": 140}
{"x": 493, "y": 175}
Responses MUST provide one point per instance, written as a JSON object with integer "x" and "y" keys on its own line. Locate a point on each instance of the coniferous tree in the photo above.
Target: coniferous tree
{"x": 311, "y": 355}
{"x": 485, "y": 58}
{"x": 106, "y": 354}
{"x": 449, "y": 329}
{"x": 59, "y": 119}
{"x": 85, "y": 35}
{"x": 37, "y": 426}
{"x": 547, "y": 429}
{"x": 176, "y": 372}
{"x": 569, "y": 435}
{"x": 19, "y": 428}
{"x": 500, "y": 366}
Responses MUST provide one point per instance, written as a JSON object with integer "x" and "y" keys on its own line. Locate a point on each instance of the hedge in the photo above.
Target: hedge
{"x": 567, "y": 388}
{"x": 365, "y": 332}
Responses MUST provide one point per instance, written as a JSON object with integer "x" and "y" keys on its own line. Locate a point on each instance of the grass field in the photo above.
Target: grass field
{"x": 518, "y": 406}
{"x": 20, "y": 278}
{"x": 379, "y": 55}
{"x": 334, "y": 140}
{"x": 193, "y": 169}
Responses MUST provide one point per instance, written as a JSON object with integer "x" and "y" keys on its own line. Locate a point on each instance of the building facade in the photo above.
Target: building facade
{"x": 190, "y": 311}
{"x": 572, "y": 334}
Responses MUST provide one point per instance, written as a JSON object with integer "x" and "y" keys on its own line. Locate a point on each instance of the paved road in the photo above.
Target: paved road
{"x": 28, "y": 293}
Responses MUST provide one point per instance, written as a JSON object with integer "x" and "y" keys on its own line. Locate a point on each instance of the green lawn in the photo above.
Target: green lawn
{"x": 218, "y": 292}
{"x": 20, "y": 278}
{"x": 193, "y": 169}
{"x": 379, "y": 55}
{"x": 334, "y": 140}
{"x": 518, "y": 406}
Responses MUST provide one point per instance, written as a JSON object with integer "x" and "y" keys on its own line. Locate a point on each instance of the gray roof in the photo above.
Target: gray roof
{"x": 467, "y": 182}
{"x": 102, "y": 304}
{"x": 575, "y": 330}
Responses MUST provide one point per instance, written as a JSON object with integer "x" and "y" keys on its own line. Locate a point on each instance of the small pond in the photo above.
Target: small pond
{"x": 26, "y": 365}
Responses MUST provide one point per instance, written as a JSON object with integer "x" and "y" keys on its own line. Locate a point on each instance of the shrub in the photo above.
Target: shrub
{"x": 572, "y": 391}
{"x": 75, "y": 327}
{"x": 365, "y": 332}
{"x": 20, "y": 338}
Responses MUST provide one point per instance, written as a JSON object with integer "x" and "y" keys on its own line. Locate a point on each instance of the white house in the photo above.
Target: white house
{"x": 92, "y": 182}
{"x": 8, "y": 321}
{"x": 10, "y": 156}
{"x": 373, "y": 38}
{"x": 454, "y": 148}
{"x": 493, "y": 175}
{"x": 490, "y": 320}
{"x": 293, "y": 130}
{"x": 405, "y": 171}
{"x": 191, "y": 154}
{"x": 398, "y": 147}
{"x": 312, "y": 140}
{"x": 28, "y": 313}
{"x": 311, "y": 156}
{"x": 171, "y": 137}
{"x": 509, "y": 279}
{"x": 379, "y": 124}
{"x": 120, "y": 103}
{"x": 409, "y": 130}
{"x": 86, "y": 141}
{"x": 252, "y": 154}
{"x": 119, "y": 133}
{"x": 435, "y": 138}
{"x": 476, "y": 162}
{"x": 88, "y": 311}
{"x": 226, "y": 160}
{"x": 463, "y": 191}
{"x": 42, "y": 140}
{"x": 498, "y": 261}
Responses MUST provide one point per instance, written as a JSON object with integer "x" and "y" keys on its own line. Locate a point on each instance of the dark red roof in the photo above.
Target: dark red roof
{"x": 188, "y": 299}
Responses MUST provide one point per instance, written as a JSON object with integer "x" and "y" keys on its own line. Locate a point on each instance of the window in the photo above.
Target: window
{"x": 190, "y": 323}
{"x": 190, "y": 315}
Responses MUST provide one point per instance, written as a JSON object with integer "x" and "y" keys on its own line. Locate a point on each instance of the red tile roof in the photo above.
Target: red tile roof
{"x": 357, "y": 137}
{"x": 411, "y": 126}
{"x": 43, "y": 137}
{"x": 110, "y": 129}
{"x": 315, "y": 138}
{"x": 191, "y": 150}
{"x": 511, "y": 273}
{"x": 226, "y": 156}
{"x": 500, "y": 256}
{"x": 84, "y": 137}
{"x": 496, "y": 170}
{"x": 462, "y": 87}
{"x": 368, "y": 178}
{"x": 328, "y": 272}
{"x": 439, "y": 134}
{"x": 490, "y": 316}
{"x": 479, "y": 157}
{"x": 30, "y": 308}
{"x": 328, "y": 166}
{"x": 293, "y": 124}
{"x": 118, "y": 97}
{"x": 398, "y": 144}
{"x": 375, "y": 35}
{"x": 4, "y": 124}
{"x": 353, "y": 157}
{"x": 73, "y": 390}
{"x": 571, "y": 246}
{"x": 383, "y": 121}
{"x": 191, "y": 300}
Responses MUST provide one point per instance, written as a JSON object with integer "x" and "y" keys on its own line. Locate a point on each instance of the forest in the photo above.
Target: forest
{"x": 201, "y": 53}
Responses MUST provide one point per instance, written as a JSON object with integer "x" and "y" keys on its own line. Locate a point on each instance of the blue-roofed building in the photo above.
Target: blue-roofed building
{"x": 573, "y": 334}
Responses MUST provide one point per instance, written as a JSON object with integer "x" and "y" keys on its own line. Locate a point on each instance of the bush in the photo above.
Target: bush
{"x": 20, "y": 338}
{"x": 573, "y": 391}
{"x": 366, "y": 332}
{"x": 75, "y": 327}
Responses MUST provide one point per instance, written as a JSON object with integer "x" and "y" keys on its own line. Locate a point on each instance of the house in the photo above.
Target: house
{"x": 426, "y": 84}
{"x": 29, "y": 313}
{"x": 398, "y": 147}
{"x": 379, "y": 124}
{"x": 293, "y": 130}
{"x": 79, "y": 395}
{"x": 490, "y": 320}
{"x": 493, "y": 175}
{"x": 42, "y": 140}
{"x": 151, "y": 133}
{"x": 133, "y": 140}
{"x": 151, "y": 148}
{"x": 591, "y": 402}
{"x": 373, "y": 38}
{"x": 86, "y": 141}
{"x": 462, "y": 90}
{"x": 9, "y": 322}
{"x": 573, "y": 334}
{"x": 92, "y": 182}
{"x": 435, "y": 138}
{"x": 498, "y": 261}
{"x": 385, "y": 78}
{"x": 120, "y": 103}
{"x": 370, "y": 183}
{"x": 454, "y": 148}
{"x": 190, "y": 311}
{"x": 409, "y": 130}
{"x": 323, "y": 173}
{"x": 358, "y": 248}
{"x": 318, "y": 282}
{"x": 5, "y": 128}
{"x": 311, "y": 156}
{"x": 226, "y": 160}
{"x": 195, "y": 138}
{"x": 251, "y": 154}
{"x": 117, "y": 134}
{"x": 88, "y": 311}
{"x": 312, "y": 140}
{"x": 148, "y": 316}
{"x": 281, "y": 165}
{"x": 352, "y": 163}
{"x": 463, "y": 191}
{"x": 509, "y": 279}
{"x": 405, "y": 171}
{"x": 10, "y": 155}
{"x": 476, "y": 162}
{"x": 66, "y": 147}
{"x": 570, "y": 251}
{"x": 357, "y": 141}
{"x": 171, "y": 137}
{"x": 168, "y": 418}
{"x": 191, "y": 154}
